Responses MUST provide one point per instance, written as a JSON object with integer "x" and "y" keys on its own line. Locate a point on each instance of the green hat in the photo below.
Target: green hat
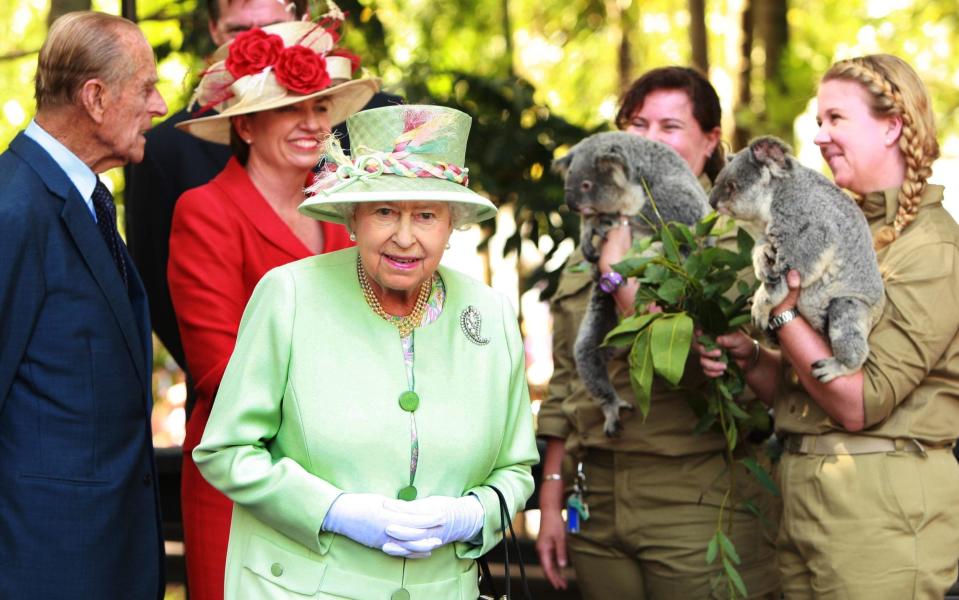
{"x": 403, "y": 152}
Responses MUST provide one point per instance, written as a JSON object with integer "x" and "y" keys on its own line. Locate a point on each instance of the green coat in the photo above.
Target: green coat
{"x": 308, "y": 409}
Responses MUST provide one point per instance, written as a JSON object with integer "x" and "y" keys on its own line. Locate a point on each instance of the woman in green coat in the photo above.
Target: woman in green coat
{"x": 374, "y": 396}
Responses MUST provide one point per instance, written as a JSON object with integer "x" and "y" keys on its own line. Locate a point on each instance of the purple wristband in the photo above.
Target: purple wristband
{"x": 610, "y": 282}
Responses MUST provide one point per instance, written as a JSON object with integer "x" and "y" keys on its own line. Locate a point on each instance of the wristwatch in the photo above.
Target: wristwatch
{"x": 610, "y": 282}
{"x": 776, "y": 323}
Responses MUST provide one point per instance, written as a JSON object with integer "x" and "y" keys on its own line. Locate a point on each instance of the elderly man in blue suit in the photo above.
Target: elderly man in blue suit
{"x": 79, "y": 514}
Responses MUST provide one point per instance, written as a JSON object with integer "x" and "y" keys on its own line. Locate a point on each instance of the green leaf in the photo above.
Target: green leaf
{"x": 622, "y": 335}
{"x": 706, "y": 422}
{"x": 723, "y": 390}
{"x": 736, "y": 411}
{"x": 733, "y": 575}
{"x": 641, "y": 371}
{"x": 578, "y": 268}
{"x": 671, "y": 290}
{"x": 683, "y": 233}
{"x": 656, "y": 273}
{"x": 712, "y": 318}
{"x": 633, "y": 266}
{"x": 694, "y": 266}
{"x": 744, "y": 241}
{"x": 732, "y": 434}
{"x": 760, "y": 473}
{"x": 705, "y": 226}
{"x": 752, "y": 507}
{"x": 671, "y": 337}
{"x": 726, "y": 258}
{"x": 670, "y": 247}
{"x": 739, "y": 320}
{"x": 712, "y": 550}
{"x": 728, "y": 548}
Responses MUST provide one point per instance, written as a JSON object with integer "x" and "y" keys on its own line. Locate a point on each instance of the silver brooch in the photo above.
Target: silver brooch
{"x": 471, "y": 321}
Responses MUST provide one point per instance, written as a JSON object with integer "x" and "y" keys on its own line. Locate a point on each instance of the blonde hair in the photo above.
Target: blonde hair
{"x": 895, "y": 89}
{"x": 81, "y": 46}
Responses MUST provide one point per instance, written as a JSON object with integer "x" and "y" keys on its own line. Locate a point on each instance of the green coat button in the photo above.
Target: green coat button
{"x": 408, "y": 493}
{"x": 276, "y": 569}
{"x": 400, "y": 594}
{"x": 409, "y": 401}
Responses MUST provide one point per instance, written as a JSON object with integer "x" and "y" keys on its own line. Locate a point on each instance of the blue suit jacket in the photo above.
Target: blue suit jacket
{"x": 79, "y": 511}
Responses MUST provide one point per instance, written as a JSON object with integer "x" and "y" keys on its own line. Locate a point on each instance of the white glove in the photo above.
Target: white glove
{"x": 365, "y": 517}
{"x": 457, "y": 520}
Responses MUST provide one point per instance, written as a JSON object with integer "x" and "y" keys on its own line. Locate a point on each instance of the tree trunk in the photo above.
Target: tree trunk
{"x": 697, "y": 35}
{"x": 628, "y": 19}
{"x": 58, "y": 8}
{"x": 743, "y": 133}
{"x": 508, "y": 35}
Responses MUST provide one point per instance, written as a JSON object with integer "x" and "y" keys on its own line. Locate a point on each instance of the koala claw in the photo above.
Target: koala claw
{"x": 760, "y": 314}
{"x": 827, "y": 369}
{"x": 611, "y": 425}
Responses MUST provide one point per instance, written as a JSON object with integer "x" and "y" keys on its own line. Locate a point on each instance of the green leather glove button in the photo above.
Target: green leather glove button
{"x": 408, "y": 493}
{"x": 409, "y": 401}
{"x": 276, "y": 569}
{"x": 400, "y": 594}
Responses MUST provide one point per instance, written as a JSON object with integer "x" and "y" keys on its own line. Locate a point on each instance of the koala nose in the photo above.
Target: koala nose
{"x": 713, "y": 200}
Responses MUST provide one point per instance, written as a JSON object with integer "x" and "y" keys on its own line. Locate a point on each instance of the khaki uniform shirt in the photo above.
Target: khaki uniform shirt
{"x": 911, "y": 377}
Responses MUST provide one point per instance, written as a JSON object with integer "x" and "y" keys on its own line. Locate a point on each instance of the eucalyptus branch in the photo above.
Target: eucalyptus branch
{"x": 697, "y": 284}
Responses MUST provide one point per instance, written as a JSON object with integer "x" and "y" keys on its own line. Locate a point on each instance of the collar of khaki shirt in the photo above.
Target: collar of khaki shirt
{"x": 885, "y": 204}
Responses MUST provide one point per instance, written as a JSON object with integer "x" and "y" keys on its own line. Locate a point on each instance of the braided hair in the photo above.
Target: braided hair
{"x": 895, "y": 89}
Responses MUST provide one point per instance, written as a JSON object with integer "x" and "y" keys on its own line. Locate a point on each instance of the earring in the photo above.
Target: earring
{"x": 447, "y": 245}
{"x": 352, "y": 237}
{"x": 249, "y": 141}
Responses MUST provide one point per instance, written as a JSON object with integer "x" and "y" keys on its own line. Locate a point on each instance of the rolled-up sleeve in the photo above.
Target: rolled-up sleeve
{"x": 919, "y": 322}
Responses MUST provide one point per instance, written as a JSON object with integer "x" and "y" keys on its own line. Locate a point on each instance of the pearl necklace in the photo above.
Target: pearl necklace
{"x": 406, "y": 324}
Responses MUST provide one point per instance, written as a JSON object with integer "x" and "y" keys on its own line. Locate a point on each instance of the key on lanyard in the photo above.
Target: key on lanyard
{"x": 576, "y": 508}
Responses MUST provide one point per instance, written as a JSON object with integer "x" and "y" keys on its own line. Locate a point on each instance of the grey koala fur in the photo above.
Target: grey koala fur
{"x": 809, "y": 225}
{"x": 605, "y": 176}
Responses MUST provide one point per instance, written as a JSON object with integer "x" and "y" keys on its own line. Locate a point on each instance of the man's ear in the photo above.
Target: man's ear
{"x": 93, "y": 98}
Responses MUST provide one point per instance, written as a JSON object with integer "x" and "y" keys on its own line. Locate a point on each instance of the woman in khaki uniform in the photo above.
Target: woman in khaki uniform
{"x": 869, "y": 484}
{"x": 653, "y": 492}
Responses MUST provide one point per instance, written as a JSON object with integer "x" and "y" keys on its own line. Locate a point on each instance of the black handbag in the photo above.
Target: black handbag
{"x": 486, "y": 578}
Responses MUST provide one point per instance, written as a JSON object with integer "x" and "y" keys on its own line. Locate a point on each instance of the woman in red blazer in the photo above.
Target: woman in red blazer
{"x": 275, "y": 109}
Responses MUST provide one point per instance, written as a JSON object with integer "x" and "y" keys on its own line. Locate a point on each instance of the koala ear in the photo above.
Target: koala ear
{"x": 611, "y": 160}
{"x": 560, "y": 166}
{"x": 771, "y": 152}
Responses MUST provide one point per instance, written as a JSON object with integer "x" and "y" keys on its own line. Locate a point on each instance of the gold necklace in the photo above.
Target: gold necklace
{"x": 406, "y": 324}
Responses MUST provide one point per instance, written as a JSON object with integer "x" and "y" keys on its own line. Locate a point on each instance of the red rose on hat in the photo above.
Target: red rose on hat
{"x": 252, "y": 51}
{"x": 301, "y": 70}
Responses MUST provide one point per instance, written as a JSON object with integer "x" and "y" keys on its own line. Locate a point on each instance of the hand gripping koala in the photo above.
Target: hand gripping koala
{"x": 605, "y": 176}
{"x": 810, "y": 225}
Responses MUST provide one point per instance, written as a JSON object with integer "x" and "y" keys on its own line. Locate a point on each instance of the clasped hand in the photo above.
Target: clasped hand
{"x": 400, "y": 528}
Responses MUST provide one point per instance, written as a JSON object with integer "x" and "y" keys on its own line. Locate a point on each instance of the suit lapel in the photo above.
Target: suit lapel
{"x": 250, "y": 202}
{"x": 86, "y": 236}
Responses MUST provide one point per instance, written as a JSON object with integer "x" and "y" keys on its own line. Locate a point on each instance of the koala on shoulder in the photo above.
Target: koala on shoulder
{"x": 809, "y": 225}
{"x": 607, "y": 176}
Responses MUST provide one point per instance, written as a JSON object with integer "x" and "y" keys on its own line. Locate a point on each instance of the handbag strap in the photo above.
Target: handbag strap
{"x": 506, "y": 522}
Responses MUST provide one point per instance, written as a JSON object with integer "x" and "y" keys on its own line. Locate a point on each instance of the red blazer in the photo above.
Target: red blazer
{"x": 225, "y": 237}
